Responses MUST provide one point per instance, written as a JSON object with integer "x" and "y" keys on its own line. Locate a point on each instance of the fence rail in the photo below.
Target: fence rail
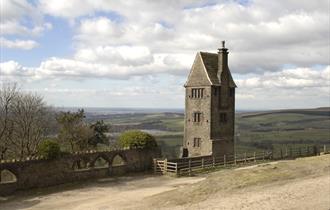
{"x": 187, "y": 166}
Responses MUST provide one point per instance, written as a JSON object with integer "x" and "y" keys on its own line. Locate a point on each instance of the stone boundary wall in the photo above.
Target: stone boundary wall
{"x": 38, "y": 172}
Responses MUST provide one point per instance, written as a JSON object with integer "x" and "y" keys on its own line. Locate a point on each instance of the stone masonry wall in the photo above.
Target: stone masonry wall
{"x": 42, "y": 173}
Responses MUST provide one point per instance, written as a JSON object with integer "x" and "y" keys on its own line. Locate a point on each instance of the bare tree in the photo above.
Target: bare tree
{"x": 25, "y": 122}
{"x": 29, "y": 123}
{"x": 8, "y": 94}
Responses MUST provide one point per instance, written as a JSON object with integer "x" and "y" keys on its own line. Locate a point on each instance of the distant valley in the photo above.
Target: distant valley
{"x": 255, "y": 130}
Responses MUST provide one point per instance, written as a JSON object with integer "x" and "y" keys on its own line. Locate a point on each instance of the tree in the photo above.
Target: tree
{"x": 73, "y": 130}
{"x": 30, "y": 122}
{"x": 137, "y": 139}
{"x": 24, "y": 122}
{"x": 99, "y": 137}
{"x": 49, "y": 149}
{"x": 8, "y": 93}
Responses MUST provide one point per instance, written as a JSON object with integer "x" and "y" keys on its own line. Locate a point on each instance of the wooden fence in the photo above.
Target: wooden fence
{"x": 187, "y": 166}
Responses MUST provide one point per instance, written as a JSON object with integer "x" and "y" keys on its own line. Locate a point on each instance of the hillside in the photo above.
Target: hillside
{"x": 293, "y": 184}
{"x": 254, "y": 130}
{"x": 297, "y": 184}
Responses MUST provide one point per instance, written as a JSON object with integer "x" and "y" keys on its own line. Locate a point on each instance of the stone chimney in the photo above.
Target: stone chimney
{"x": 222, "y": 59}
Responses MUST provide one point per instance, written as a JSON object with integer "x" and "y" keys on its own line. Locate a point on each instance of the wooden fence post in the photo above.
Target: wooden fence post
{"x": 202, "y": 162}
{"x": 254, "y": 155}
{"x": 272, "y": 156}
{"x": 213, "y": 161}
{"x": 244, "y": 157}
{"x": 189, "y": 166}
{"x": 324, "y": 149}
{"x": 290, "y": 152}
{"x": 155, "y": 165}
{"x": 176, "y": 169}
{"x": 315, "y": 150}
{"x": 224, "y": 160}
{"x": 307, "y": 150}
{"x": 281, "y": 154}
{"x": 286, "y": 152}
{"x": 263, "y": 155}
{"x": 235, "y": 159}
{"x": 165, "y": 166}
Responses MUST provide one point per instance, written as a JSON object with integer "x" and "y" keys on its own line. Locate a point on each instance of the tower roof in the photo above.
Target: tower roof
{"x": 210, "y": 61}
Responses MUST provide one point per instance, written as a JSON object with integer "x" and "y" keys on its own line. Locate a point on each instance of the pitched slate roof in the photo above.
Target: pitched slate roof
{"x": 210, "y": 61}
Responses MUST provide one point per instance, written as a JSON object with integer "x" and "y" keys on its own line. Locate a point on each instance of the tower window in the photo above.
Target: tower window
{"x": 197, "y": 142}
{"x": 215, "y": 91}
{"x": 197, "y": 116}
{"x": 223, "y": 117}
{"x": 231, "y": 92}
{"x": 197, "y": 92}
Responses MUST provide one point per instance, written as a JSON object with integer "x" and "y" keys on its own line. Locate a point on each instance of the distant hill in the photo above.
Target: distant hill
{"x": 322, "y": 111}
{"x": 254, "y": 130}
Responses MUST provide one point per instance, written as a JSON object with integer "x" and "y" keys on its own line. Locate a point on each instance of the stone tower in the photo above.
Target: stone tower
{"x": 209, "y": 106}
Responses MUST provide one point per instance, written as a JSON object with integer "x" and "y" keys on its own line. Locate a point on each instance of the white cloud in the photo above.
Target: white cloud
{"x": 288, "y": 88}
{"x": 125, "y": 65}
{"x": 67, "y": 9}
{"x": 289, "y": 78}
{"x": 121, "y": 55}
{"x": 18, "y": 44}
{"x": 10, "y": 68}
{"x": 15, "y": 9}
{"x": 124, "y": 39}
{"x": 19, "y": 17}
{"x": 16, "y": 28}
{"x": 261, "y": 37}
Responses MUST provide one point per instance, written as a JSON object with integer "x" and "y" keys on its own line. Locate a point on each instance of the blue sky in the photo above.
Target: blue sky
{"x": 129, "y": 54}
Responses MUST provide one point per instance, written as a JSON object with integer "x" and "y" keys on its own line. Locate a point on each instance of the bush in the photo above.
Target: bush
{"x": 137, "y": 139}
{"x": 49, "y": 149}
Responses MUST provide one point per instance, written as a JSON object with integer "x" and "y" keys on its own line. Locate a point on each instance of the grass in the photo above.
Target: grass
{"x": 175, "y": 124}
{"x": 227, "y": 180}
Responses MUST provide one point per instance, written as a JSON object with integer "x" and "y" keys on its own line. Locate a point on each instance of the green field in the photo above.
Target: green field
{"x": 254, "y": 131}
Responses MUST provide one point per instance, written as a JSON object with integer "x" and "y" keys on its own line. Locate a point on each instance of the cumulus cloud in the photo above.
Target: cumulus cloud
{"x": 122, "y": 55}
{"x": 124, "y": 39}
{"x": 18, "y": 44}
{"x": 20, "y": 17}
{"x": 261, "y": 37}
{"x": 289, "y": 78}
{"x": 288, "y": 88}
{"x": 126, "y": 67}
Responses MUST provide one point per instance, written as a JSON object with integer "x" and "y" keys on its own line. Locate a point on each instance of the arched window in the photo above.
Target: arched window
{"x": 80, "y": 165}
{"x": 100, "y": 162}
{"x": 118, "y": 161}
{"x": 7, "y": 177}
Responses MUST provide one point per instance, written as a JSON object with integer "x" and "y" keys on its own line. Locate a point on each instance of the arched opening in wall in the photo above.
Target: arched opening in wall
{"x": 7, "y": 176}
{"x": 80, "y": 165}
{"x": 100, "y": 162}
{"x": 118, "y": 161}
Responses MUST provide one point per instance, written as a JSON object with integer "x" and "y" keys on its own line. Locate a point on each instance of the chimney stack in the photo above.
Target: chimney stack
{"x": 222, "y": 59}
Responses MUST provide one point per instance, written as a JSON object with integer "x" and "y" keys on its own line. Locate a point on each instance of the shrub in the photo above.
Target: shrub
{"x": 137, "y": 139}
{"x": 49, "y": 149}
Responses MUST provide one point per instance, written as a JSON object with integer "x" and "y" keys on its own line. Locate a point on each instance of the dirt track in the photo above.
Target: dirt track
{"x": 310, "y": 190}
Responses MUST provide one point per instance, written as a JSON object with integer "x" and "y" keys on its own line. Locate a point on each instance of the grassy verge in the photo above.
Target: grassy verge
{"x": 225, "y": 181}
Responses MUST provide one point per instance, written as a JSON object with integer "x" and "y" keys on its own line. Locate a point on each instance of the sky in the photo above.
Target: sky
{"x": 107, "y": 53}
